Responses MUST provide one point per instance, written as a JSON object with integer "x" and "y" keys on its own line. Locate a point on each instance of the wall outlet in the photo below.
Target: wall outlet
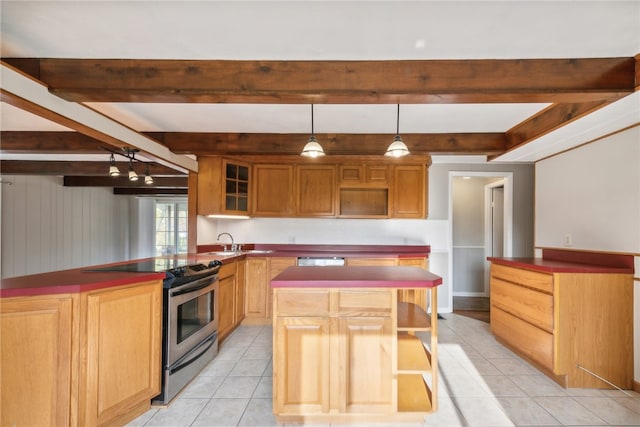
{"x": 567, "y": 240}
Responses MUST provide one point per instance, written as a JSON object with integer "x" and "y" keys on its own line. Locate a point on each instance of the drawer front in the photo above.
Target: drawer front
{"x": 365, "y": 301}
{"x": 530, "y": 305}
{"x": 532, "y": 342}
{"x": 301, "y": 302}
{"x": 227, "y": 270}
{"x": 532, "y": 279}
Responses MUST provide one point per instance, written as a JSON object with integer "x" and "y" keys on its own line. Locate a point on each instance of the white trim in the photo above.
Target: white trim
{"x": 27, "y": 88}
{"x": 470, "y": 294}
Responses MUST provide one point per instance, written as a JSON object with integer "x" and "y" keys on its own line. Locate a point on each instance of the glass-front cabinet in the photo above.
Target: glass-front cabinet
{"x": 236, "y": 198}
{"x": 223, "y": 186}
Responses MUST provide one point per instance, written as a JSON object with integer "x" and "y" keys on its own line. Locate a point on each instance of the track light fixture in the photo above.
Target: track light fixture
{"x": 397, "y": 148}
{"x": 312, "y": 148}
{"x": 129, "y": 153}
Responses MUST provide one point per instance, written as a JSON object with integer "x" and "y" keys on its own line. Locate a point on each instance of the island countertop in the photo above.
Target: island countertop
{"x": 355, "y": 277}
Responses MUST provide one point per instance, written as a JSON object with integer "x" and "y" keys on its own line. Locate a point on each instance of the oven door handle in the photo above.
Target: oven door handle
{"x": 190, "y": 289}
{"x": 179, "y": 365}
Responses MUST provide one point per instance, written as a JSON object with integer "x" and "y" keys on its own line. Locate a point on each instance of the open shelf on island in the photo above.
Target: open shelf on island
{"x": 412, "y": 317}
{"x": 413, "y": 357}
{"x": 413, "y": 394}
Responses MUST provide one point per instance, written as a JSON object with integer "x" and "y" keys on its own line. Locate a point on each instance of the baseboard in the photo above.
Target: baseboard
{"x": 470, "y": 294}
{"x": 636, "y": 386}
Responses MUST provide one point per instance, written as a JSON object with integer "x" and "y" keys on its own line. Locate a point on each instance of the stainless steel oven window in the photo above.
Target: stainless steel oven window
{"x": 193, "y": 315}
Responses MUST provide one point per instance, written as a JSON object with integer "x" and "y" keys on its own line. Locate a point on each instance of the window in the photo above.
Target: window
{"x": 171, "y": 228}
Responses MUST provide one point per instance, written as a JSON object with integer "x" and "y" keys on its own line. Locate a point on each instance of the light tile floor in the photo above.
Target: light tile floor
{"x": 481, "y": 383}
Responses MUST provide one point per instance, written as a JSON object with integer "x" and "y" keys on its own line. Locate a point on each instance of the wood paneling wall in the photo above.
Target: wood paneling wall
{"x": 47, "y": 227}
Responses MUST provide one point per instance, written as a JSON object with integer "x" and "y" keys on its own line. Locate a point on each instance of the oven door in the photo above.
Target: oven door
{"x": 192, "y": 316}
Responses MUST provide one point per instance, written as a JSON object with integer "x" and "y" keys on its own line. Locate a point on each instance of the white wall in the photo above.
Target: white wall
{"x": 592, "y": 194}
{"x": 47, "y": 227}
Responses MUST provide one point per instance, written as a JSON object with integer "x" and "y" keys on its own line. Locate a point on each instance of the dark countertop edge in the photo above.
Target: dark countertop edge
{"x": 356, "y": 277}
{"x": 557, "y": 266}
{"x": 70, "y": 281}
{"x": 373, "y": 251}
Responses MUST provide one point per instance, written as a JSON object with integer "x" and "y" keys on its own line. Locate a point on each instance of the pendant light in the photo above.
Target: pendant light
{"x": 133, "y": 176}
{"x": 397, "y": 148}
{"x": 113, "y": 169}
{"x": 312, "y": 148}
{"x": 147, "y": 176}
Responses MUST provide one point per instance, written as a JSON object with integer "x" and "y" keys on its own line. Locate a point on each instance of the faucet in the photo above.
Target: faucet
{"x": 234, "y": 247}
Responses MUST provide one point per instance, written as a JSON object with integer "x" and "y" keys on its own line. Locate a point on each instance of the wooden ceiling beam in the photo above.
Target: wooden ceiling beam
{"x": 137, "y": 191}
{"x": 58, "y": 168}
{"x": 548, "y": 120}
{"x": 333, "y": 144}
{"x": 304, "y": 82}
{"x": 123, "y": 181}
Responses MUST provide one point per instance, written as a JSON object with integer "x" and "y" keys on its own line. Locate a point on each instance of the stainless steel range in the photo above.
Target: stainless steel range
{"x": 189, "y": 321}
{"x": 190, "y": 325}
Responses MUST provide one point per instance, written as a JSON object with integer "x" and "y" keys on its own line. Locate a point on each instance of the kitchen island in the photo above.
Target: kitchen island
{"x": 345, "y": 349}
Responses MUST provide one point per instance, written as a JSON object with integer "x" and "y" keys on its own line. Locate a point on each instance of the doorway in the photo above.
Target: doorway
{"x": 480, "y": 206}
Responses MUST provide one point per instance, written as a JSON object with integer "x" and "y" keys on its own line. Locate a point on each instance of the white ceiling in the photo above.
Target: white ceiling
{"x": 323, "y": 30}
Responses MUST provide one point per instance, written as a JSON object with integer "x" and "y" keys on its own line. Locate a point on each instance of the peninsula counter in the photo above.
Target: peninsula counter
{"x": 345, "y": 349}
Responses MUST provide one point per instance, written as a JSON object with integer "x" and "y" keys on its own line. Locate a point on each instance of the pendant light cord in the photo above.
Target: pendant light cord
{"x": 312, "y": 119}
{"x": 398, "y": 121}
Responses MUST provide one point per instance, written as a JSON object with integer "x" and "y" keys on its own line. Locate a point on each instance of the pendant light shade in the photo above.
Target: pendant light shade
{"x": 147, "y": 176}
{"x": 397, "y": 148}
{"x": 113, "y": 169}
{"x": 133, "y": 176}
{"x": 312, "y": 148}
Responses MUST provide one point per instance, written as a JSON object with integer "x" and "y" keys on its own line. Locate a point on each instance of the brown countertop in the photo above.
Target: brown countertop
{"x": 69, "y": 281}
{"x": 296, "y": 250}
{"x": 355, "y": 277}
{"x": 567, "y": 261}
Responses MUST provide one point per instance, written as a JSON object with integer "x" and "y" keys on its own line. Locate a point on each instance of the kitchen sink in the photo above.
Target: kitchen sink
{"x": 257, "y": 251}
{"x": 224, "y": 253}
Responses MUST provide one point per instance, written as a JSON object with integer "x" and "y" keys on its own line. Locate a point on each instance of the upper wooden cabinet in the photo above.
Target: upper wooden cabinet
{"x": 331, "y": 187}
{"x": 370, "y": 175}
{"x": 316, "y": 190}
{"x": 409, "y": 191}
{"x": 272, "y": 190}
{"x": 223, "y": 186}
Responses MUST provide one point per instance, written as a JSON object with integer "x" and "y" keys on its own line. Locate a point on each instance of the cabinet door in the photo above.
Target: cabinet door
{"x": 235, "y": 191}
{"x": 226, "y": 305}
{"x": 365, "y": 350}
{"x": 256, "y": 288}
{"x": 316, "y": 190}
{"x": 240, "y": 286}
{"x": 301, "y": 365}
{"x": 35, "y": 353}
{"x": 209, "y": 185}
{"x": 409, "y": 194}
{"x": 276, "y": 266}
{"x": 272, "y": 195}
{"x": 121, "y": 351}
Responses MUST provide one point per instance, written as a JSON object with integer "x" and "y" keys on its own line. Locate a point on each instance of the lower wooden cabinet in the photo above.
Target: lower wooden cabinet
{"x": 231, "y": 297}
{"x": 349, "y": 354}
{"x": 36, "y": 360}
{"x": 81, "y": 359}
{"x": 259, "y": 272}
{"x": 564, "y": 321}
{"x": 122, "y": 330}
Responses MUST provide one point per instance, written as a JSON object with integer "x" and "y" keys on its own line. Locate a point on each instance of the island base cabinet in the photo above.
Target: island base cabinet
{"x": 301, "y": 377}
{"x": 334, "y": 354}
{"x": 36, "y": 360}
{"x": 121, "y": 338}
